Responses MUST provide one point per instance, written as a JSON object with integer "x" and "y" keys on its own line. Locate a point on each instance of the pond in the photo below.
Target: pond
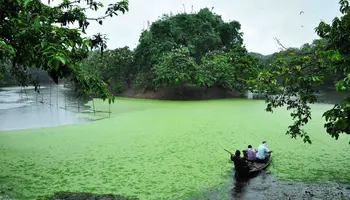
{"x": 23, "y": 108}
{"x": 171, "y": 150}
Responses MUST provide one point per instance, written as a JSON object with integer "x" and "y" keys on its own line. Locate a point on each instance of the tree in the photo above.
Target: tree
{"x": 216, "y": 70}
{"x": 175, "y": 68}
{"x": 200, "y": 32}
{"x": 233, "y": 68}
{"x": 114, "y": 66}
{"x": 175, "y": 52}
{"x": 33, "y": 34}
{"x": 302, "y": 70}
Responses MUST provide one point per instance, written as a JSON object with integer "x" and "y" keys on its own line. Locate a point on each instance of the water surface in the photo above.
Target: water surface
{"x": 164, "y": 150}
{"x": 23, "y": 108}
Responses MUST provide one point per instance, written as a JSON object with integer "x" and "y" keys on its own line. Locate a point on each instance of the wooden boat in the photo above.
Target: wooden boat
{"x": 257, "y": 166}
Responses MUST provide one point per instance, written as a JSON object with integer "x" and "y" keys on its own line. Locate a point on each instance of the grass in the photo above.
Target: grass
{"x": 163, "y": 150}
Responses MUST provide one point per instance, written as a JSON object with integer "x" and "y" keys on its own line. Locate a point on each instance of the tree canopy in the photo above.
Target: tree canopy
{"x": 296, "y": 72}
{"x": 185, "y": 50}
{"x": 33, "y": 34}
{"x": 200, "y": 32}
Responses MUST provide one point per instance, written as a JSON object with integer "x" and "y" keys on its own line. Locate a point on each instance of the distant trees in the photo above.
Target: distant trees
{"x": 113, "y": 66}
{"x": 197, "y": 49}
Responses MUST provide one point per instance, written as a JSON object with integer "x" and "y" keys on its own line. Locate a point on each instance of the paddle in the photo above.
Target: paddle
{"x": 228, "y": 151}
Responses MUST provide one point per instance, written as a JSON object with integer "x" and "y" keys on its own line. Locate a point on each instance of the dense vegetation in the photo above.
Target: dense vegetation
{"x": 185, "y": 50}
{"x": 33, "y": 34}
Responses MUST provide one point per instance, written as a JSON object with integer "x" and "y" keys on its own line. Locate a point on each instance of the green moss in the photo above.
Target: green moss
{"x": 163, "y": 150}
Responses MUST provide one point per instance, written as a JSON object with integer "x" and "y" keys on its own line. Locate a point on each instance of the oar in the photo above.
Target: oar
{"x": 228, "y": 151}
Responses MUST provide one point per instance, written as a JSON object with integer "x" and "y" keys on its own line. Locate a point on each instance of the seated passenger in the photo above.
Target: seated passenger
{"x": 251, "y": 155}
{"x": 264, "y": 153}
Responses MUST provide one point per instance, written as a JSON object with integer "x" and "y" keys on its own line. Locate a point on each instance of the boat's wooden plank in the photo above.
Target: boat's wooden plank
{"x": 255, "y": 166}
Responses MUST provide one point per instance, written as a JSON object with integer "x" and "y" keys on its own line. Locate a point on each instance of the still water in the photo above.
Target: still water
{"x": 23, "y": 108}
{"x": 160, "y": 149}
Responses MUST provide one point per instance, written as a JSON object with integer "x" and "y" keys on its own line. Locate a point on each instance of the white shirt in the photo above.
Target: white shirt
{"x": 262, "y": 150}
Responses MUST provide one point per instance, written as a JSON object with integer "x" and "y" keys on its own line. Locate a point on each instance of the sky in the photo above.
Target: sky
{"x": 261, "y": 20}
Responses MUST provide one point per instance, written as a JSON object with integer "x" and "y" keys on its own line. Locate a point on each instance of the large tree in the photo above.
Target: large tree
{"x": 33, "y": 34}
{"x": 176, "y": 68}
{"x": 215, "y": 46}
{"x": 296, "y": 73}
{"x": 200, "y": 32}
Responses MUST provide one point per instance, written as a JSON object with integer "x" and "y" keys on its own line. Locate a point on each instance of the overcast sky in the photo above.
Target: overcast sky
{"x": 261, "y": 20}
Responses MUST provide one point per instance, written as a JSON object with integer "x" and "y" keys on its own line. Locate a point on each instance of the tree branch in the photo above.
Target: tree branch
{"x": 280, "y": 44}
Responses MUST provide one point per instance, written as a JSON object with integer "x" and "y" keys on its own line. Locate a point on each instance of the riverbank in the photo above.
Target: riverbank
{"x": 188, "y": 93}
{"x": 267, "y": 186}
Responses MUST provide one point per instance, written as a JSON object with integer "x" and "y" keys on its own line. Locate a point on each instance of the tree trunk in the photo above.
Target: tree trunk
{"x": 128, "y": 82}
{"x": 181, "y": 89}
{"x": 206, "y": 88}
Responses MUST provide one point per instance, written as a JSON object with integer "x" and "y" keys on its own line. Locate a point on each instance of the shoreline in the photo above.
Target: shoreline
{"x": 268, "y": 186}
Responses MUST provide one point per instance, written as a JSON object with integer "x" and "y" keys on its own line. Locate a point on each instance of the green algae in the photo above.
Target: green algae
{"x": 163, "y": 150}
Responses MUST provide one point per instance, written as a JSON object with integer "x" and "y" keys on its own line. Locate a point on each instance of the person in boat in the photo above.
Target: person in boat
{"x": 241, "y": 165}
{"x": 264, "y": 153}
{"x": 251, "y": 153}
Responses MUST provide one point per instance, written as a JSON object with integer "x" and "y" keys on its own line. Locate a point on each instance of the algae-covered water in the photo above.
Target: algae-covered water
{"x": 164, "y": 150}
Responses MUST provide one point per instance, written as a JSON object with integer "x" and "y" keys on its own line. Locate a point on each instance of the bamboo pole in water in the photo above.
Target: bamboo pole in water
{"x": 93, "y": 105}
{"x": 25, "y": 92}
{"x": 65, "y": 102}
{"x": 78, "y": 105}
{"x": 50, "y": 94}
{"x": 57, "y": 96}
{"x": 109, "y": 110}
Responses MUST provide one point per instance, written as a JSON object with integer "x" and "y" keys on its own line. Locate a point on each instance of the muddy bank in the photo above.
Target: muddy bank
{"x": 267, "y": 186}
{"x": 188, "y": 93}
{"x": 86, "y": 196}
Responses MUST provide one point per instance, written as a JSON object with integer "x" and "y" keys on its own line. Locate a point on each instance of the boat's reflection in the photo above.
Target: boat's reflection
{"x": 240, "y": 184}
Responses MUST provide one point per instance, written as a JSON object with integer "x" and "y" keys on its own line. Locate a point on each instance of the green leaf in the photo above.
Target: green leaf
{"x": 71, "y": 43}
{"x": 25, "y": 3}
{"x": 340, "y": 86}
{"x": 335, "y": 56}
{"x": 61, "y": 59}
{"x": 43, "y": 44}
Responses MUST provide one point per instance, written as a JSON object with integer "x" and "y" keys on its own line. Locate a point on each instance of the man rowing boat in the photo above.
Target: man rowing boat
{"x": 241, "y": 165}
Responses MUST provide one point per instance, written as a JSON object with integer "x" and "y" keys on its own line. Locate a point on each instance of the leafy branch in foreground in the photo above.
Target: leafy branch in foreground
{"x": 33, "y": 34}
{"x": 293, "y": 78}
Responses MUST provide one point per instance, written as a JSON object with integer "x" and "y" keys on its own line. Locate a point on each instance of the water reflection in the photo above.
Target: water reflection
{"x": 239, "y": 187}
{"x": 23, "y": 108}
{"x": 247, "y": 187}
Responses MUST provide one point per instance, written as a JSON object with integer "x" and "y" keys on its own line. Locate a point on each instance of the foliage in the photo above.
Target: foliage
{"x": 35, "y": 34}
{"x": 301, "y": 70}
{"x": 234, "y": 68}
{"x": 175, "y": 68}
{"x": 200, "y": 32}
{"x": 197, "y": 49}
{"x": 114, "y": 66}
{"x": 216, "y": 70}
